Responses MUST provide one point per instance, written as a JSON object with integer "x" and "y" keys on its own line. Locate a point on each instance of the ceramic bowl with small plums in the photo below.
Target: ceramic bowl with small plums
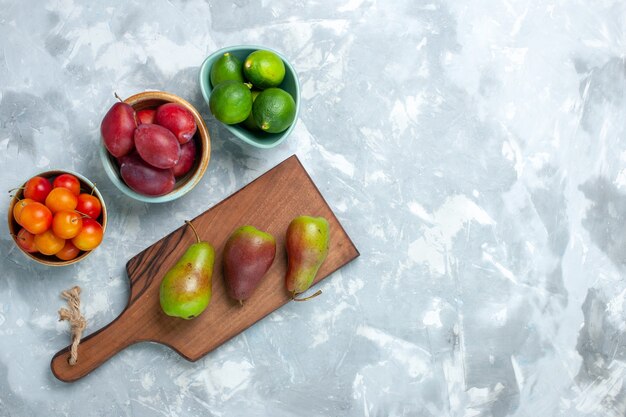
{"x": 57, "y": 218}
{"x": 155, "y": 146}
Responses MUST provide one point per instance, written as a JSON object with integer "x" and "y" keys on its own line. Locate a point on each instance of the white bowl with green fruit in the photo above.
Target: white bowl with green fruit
{"x": 254, "y": 91}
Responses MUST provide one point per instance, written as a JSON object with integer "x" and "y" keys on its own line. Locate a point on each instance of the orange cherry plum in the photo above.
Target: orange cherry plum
{"x": 89, "y": 205}
{"x": 68, "y": 181}
{"x": 61, "y": 199}
{"x": 67, "y": 224}
{"x": 89, "y": 236}
{"x": 68, "y": 252}
{"x": 48, "y": 243}
{"x": 26, "y": 240}
{"x": 19, "y": 206}
{"x": 37, "y": 188}
{"x": 36, "y": 218}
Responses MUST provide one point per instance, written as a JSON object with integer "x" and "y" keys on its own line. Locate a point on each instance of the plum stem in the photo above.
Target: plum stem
{"x": 240, "y": 302}
{"x": 118, "y": 97}
{"x": 195, "y": 232}
{"x": 83, "y": 215}
{"x": 293, "y": 296}
{"x": 18, "y": 237}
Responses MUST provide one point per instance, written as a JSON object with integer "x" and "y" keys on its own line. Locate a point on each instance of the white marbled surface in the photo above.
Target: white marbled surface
{"x": 475, "y": 151}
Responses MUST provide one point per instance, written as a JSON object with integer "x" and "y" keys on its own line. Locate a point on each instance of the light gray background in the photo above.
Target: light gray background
{"x": 475, "y": 151}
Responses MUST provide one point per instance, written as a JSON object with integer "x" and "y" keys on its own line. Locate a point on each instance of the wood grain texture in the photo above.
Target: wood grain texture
{"x": 268, "y": 203}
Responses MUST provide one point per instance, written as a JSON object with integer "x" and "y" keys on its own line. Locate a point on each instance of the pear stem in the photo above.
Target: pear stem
{"x": 240, "y": 302}
{"x": 293, "y": 296}
{"x": 195, "y": 232}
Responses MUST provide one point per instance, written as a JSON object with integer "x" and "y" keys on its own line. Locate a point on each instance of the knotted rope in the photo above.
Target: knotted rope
{"x": 77, "y": 321}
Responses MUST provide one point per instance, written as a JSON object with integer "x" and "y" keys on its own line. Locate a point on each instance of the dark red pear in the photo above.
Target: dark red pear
{"x": 247, "y": 256}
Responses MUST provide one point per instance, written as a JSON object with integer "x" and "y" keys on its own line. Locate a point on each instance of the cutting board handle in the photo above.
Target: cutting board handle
{"x": 97, "y": 348}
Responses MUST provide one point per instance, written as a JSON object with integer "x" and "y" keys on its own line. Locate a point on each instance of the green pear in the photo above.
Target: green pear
{"x": 186, "y": 288}
{"x": 307, "y": 243}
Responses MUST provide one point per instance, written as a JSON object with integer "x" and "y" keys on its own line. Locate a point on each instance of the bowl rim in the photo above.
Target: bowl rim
{"x": 48, "y": 174}
{"x": 205, "y": 156}
{"x": 205, "y": 87}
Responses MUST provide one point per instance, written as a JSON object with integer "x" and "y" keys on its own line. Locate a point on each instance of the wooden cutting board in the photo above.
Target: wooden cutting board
{"x": 269, "y": 203}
